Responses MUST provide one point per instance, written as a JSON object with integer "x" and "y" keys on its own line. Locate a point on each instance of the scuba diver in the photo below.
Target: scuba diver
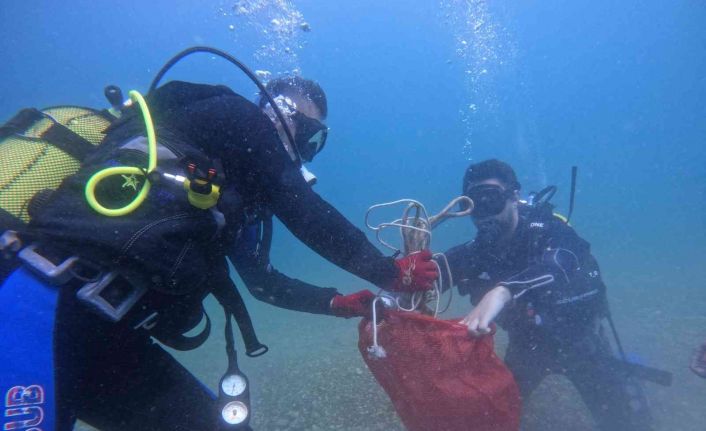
{"x": 120, "y": 254}
{"x": 530, "y": 271}
{"x": 250, "y": 255}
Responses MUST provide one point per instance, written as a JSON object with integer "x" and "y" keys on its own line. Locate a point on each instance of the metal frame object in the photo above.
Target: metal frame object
{"x": 56, "y": 274}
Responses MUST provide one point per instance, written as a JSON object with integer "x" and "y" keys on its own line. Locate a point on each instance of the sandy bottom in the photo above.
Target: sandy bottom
{"x": 313, "y": 378}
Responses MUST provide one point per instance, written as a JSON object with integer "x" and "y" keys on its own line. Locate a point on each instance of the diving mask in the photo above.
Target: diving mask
{"x": 489, "y": 199}
{"x": 310, "y": 135}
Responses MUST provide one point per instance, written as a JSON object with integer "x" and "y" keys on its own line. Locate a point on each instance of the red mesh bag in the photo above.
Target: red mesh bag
{"x": 439, "y": 378}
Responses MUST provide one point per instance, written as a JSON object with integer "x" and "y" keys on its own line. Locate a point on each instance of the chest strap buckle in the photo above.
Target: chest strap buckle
{"x": 111, "y": 295}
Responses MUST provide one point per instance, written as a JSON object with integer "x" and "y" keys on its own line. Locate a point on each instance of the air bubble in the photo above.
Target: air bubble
{"x": 279, "y": 24}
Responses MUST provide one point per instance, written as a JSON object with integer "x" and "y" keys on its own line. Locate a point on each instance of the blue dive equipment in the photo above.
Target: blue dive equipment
{"x": 27, "y": 356}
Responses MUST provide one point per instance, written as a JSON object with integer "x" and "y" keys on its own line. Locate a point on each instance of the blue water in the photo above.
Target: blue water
{"x": 416, "y": 91}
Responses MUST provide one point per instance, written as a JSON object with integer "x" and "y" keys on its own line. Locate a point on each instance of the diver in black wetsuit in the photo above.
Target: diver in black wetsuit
{"x": 110, "y": 374}
{"x": 250, "y": 255}
{"x": 531, "y": 271}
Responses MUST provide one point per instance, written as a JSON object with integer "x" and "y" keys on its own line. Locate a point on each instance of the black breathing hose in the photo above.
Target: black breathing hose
{"x": 263, "y": 91}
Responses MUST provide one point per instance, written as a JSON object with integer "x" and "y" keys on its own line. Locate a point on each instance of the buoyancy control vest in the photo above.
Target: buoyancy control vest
{"x": 166, "y": 244}
{"x": 167, "y": 248}
{"x": 38, "y": 150}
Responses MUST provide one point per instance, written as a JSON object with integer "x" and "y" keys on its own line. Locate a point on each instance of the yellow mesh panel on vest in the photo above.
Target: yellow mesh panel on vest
{"x": 83, "y": 122}
{"x": 31, "y": 164}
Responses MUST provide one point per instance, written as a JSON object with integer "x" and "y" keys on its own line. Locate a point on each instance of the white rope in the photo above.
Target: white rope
{"x": 415, "y": 234}
{"x": 400, "y": 223}
{"x": 450, "y": 283}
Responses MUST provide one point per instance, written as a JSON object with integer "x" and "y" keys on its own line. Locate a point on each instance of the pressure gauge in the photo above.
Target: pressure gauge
{"x": 235, "y": 413}
{"x": 233, "y": 385}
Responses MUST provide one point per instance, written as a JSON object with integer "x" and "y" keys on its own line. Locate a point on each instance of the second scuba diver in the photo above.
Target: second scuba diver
{"x": 529, "y": 269}
{"x": 120, "y": 279}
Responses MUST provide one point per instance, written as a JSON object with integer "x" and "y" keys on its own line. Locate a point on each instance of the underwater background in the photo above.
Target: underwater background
{"x": 417, "y": 90}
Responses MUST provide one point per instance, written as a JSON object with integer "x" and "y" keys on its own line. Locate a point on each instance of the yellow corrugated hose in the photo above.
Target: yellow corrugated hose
{"x": 127, "y": 170}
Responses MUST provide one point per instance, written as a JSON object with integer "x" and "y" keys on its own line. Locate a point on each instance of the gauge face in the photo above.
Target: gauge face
{"x": 233, "y": 385}
{"x": 234, "y": 413}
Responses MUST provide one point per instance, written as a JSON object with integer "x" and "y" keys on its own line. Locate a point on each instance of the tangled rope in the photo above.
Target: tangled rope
{"x": 415, "y": 227}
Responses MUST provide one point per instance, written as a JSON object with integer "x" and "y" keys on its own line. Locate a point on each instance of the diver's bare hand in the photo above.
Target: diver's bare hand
{"x": 483, "y": 314}
{"x": 698, "y": 362}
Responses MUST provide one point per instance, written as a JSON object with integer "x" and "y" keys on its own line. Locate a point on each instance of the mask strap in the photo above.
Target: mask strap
{"x": 288, "y": 108}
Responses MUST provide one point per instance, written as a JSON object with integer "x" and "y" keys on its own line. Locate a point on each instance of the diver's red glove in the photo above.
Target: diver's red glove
{"x": 417, "y": 272}
{"x": 354, "y": 305}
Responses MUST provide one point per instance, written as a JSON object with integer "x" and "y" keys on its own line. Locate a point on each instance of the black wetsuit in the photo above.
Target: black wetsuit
{"x": 251, "y": 258}
{"x": 114, "y": 376}
{"x": 553, "y": 321}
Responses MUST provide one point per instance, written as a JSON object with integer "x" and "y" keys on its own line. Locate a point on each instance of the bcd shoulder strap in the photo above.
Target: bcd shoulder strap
{"x": 20, "y": 122}
{"x": 57, "y": 134}
{"x": 68, "y": 141}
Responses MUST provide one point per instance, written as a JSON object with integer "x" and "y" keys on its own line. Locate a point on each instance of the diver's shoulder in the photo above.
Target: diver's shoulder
{"x": 218, "y": 101}
{"x": 193, "y": 90}
{"x": 555, "y": 229}
{"x": 542, "y": 217}
{"x": 182, "y": 93}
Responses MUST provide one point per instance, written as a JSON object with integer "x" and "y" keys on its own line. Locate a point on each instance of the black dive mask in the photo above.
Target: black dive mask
{"x": 310, "y": 137}
{"x": 488, "y": 199}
